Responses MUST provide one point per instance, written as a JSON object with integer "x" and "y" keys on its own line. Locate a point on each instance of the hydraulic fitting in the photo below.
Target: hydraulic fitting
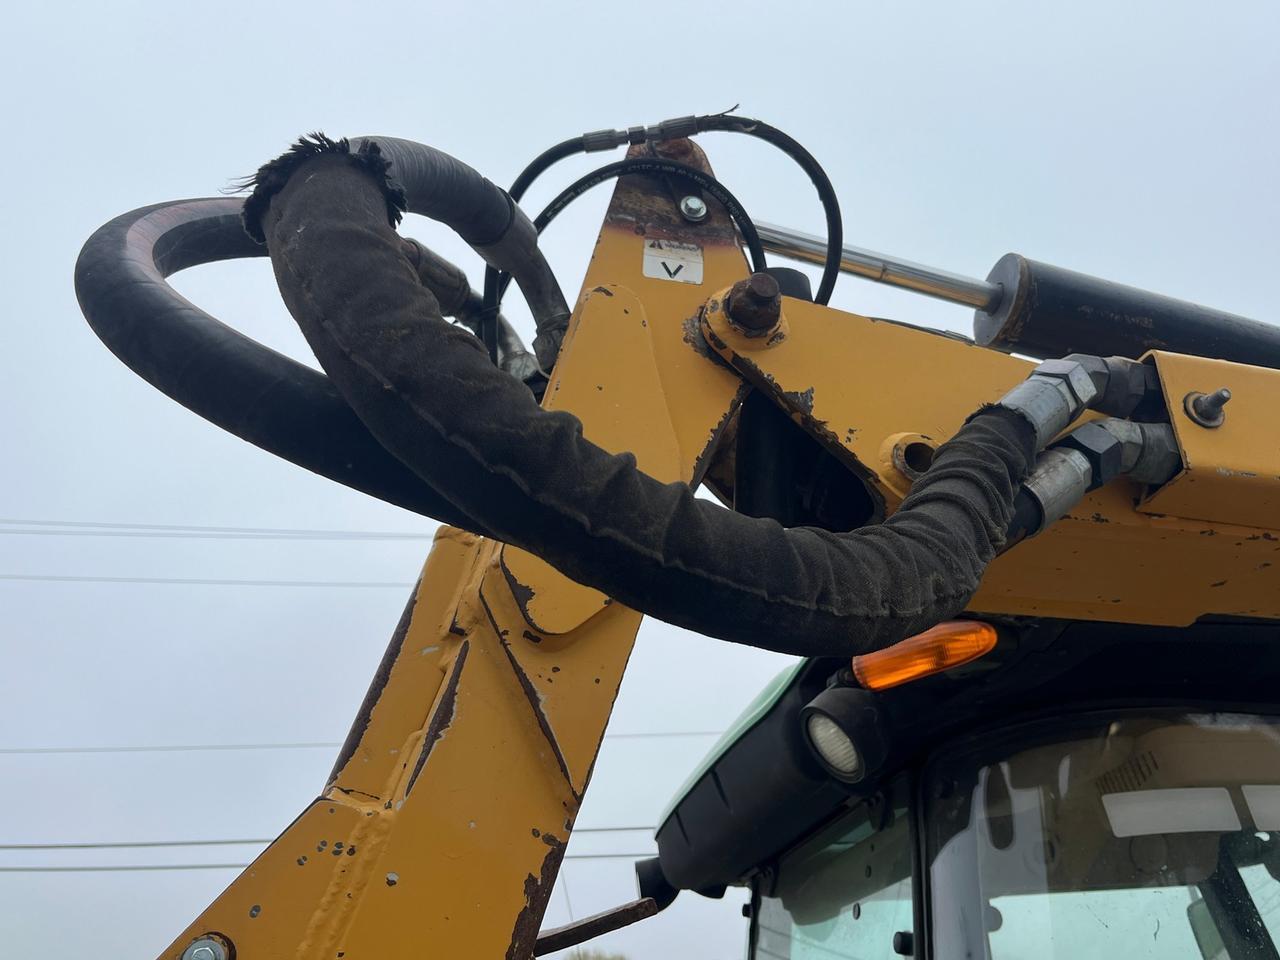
{"x": 1103, "y": 450}
{"x": 1061, "y": 478}
{"x": 1089, "y": 457}
{"x": 1122, "y": 384}
{"x": 1055, "y": 394}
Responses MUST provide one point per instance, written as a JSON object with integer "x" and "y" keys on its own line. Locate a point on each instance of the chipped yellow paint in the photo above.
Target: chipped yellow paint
{"x": 463, "y": 776}
{"x": 1232, "y": 472}
{"x": 460, "y": 791}
{"x": 1104, "y": 561}
{"x": 613, "y": 394}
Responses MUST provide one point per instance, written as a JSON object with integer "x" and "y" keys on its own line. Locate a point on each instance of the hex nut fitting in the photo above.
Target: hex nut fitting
{"x": 1055, "y": 394}
{"x": 754, "y": 305}
{"x": 1101, "y": 448}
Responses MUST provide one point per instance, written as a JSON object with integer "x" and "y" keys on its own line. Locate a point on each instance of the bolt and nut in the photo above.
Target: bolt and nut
{"x": 206, "y": 948}
{"x": 755, "y": 305}
{"x": 693, "y": 208}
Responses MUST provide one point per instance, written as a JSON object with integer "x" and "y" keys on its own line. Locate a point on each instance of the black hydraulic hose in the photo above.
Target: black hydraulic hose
{"x": 543, "y": 162}
{"x": 431, "y": 396}
{"x": 659, "y": 166}
{"x": 826, "y": 192}
{"x": 247, "y": 389}
{"x": 495, "y": 284}
{"x": 431, "y": 183}
{"x": 720, "y": 122}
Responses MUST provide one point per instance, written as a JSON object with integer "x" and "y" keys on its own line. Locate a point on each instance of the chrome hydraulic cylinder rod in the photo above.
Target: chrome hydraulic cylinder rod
{"x": 952, "y": 287}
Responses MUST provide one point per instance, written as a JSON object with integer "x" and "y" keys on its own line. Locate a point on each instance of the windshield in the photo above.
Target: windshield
{"x": 846, "y": 893}
{"x": 1144, "y": 837}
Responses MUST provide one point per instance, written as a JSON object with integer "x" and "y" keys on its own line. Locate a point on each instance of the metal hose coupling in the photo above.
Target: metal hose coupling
{"x": 1095, "y": 454}
{"x": 1058, "y": 391}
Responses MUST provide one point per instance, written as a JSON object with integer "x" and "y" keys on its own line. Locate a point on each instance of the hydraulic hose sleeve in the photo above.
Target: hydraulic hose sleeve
{"x": 420, "y": 179}
{"x": 259, "y": 395}
{"x": 429, "y": 393}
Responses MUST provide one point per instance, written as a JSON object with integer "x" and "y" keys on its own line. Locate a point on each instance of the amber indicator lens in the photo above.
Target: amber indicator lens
{"x": 940, "y": 648}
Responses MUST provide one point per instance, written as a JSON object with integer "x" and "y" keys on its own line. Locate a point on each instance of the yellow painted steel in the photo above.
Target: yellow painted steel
{"x": 447, "y": 816}
{"x": 443, "y": 827}
{"x": 1231, "y": 473}
{"x": 858, "y": 384}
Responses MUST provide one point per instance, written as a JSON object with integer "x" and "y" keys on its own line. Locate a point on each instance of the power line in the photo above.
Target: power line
{"x": 163, "y": 535}
{"x": 254, "y": 841}
{"x": 181, "y": 748}
{"x": 201, "y": 582}
{"x": 307, "y": 745}
{"x": 79, "y": 868}
{"x": 194, "y": 531}
{"x": 130, "y": 844}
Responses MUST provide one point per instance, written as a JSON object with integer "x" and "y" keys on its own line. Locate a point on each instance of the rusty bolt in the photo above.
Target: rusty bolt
{"x": 755, "y": 304}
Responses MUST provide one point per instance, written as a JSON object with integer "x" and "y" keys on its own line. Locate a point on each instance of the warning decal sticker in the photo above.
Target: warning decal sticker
{"x": 670, "y": 260}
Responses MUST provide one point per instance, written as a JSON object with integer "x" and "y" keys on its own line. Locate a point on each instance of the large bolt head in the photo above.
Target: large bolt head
{"x": 205, "y": 948}
{"x": 755, "y": 304}
{"x": 693, "y": 208}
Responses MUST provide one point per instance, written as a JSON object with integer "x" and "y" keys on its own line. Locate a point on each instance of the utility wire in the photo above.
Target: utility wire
{"x": 328, "y": 744}
{"x": 240, "y": 866}
{"x": 203, "y": 582}
{"x": 98, "y": 528}
{"x": 131, "y": 844}
{"x": 194, "y": 535}
{"x": 182, "y": 748}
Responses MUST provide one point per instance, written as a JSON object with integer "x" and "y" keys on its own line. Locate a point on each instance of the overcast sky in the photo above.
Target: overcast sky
{"x": 1136, "y": 141}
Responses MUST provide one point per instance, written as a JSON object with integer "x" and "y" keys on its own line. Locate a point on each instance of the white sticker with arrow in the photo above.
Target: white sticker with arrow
{"x": 671, "y": 260}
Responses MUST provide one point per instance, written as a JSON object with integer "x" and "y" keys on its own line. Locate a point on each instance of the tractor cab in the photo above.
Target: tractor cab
{"x": 1080, "y": 790}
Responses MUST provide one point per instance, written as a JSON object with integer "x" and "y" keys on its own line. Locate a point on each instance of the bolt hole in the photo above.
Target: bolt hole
{"x": 913, "y": 458}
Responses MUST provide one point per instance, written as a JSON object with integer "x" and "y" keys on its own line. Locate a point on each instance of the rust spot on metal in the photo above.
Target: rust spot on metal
{"x": 693, "y": 336}
{"x": 531, "y": 636}
{"x": 523, "y": 595}
{"x": 718, "y": 433}
{"x": 643, "y": 204}
{"x": 598, "y": 924}
{"x": 816, "y": 428}
{"x": 537, "y": 892}
{"x": 605, "y": 290}
{"x": 443, "y": 715}
{"x": 531, "y": 694}
{"x": 361, "y": 722}
{"x": 799, "y": 399}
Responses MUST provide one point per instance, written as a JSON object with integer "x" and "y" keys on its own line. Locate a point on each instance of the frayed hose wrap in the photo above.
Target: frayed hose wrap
{"x": 429, "y": 393}
{"x": 416, "y": 178}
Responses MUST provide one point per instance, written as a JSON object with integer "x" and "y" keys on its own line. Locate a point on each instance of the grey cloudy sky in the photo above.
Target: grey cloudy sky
{"x": 1136, "y": 141}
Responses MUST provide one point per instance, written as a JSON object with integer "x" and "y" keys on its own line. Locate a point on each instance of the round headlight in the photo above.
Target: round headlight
{"x": 834, "y": 746}
{"x": 844, "y": 729}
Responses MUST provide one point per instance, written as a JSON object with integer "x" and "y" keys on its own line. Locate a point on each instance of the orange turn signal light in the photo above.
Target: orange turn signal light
{"x": 949, "y": 644}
